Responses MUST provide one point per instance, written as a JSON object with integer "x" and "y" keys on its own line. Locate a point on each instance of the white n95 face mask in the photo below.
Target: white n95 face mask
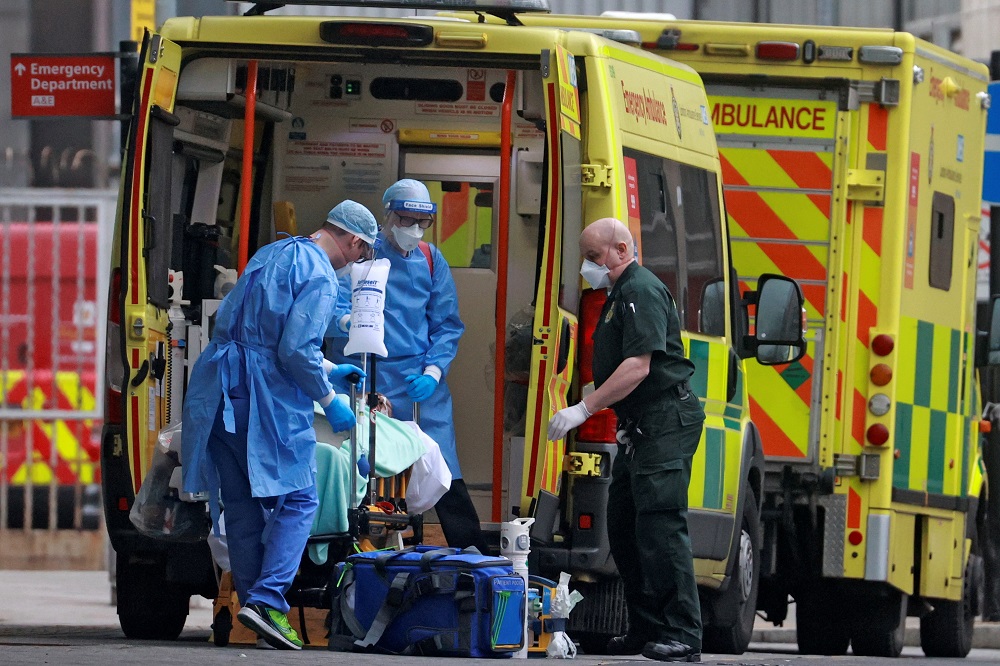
{"x": 596, "y": 275}
{"x": 408, "y": 238}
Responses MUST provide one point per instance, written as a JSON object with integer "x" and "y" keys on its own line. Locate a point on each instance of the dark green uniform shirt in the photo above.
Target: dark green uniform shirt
{"x": 639, "y": 318}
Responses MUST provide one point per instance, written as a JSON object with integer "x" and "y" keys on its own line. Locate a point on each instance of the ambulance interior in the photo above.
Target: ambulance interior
{"x": 328, "y": 131}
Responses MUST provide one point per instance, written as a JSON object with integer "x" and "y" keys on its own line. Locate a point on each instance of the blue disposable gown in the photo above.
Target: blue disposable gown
{"x": 422, "y": 328}
{"x": 265, "y": 347}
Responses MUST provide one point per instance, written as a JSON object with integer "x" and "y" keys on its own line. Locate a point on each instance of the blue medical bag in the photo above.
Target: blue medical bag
{"x": 430, "y": 601}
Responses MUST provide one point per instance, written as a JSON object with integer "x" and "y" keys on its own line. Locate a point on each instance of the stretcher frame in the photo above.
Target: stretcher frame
{"x": 370, "y": 527}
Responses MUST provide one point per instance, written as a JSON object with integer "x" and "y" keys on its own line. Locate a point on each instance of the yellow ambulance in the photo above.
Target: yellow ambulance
{"x": 852, "y": 161}
{"x": 523, "y": 135}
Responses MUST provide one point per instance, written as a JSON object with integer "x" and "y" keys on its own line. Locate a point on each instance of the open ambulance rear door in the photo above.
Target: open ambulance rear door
{"x": 554, "y": 330}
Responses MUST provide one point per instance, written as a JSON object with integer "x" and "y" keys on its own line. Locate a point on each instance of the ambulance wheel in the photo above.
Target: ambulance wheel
{"x": 148, "y": 609}
{"x": 819, "y": 626}
{"x": 947, "y": 630}
{"x": 734, "y": 611}
{"x": 882, "y": 634}
{"x": 222, "y": 627}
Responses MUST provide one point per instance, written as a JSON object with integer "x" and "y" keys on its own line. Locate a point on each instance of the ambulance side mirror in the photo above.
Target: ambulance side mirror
{"x": 712, "y": 314}
{"x": 778, "y": 335}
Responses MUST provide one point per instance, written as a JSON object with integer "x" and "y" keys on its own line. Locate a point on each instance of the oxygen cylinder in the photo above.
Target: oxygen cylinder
{"x": 515, "y": 545}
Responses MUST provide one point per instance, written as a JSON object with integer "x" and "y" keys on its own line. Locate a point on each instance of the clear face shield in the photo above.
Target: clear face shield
{"x": 410, "y": 220}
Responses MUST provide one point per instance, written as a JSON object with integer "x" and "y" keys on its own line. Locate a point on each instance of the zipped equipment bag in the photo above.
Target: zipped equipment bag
{"x": 429, "y": 601}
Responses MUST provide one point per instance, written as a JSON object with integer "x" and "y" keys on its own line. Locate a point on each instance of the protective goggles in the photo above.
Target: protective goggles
{"x": 401, "y": 206}
{"x": 368, "y": 253}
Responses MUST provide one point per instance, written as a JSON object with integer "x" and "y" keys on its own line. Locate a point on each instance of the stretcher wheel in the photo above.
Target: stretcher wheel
{"x": 222, "y": 626}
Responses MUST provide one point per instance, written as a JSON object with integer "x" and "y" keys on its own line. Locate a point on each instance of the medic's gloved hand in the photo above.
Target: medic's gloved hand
{"x": 364, "y": 468}
{"x": 566, "y": 419}
{"x": 420, "y": 387}
{"x": 340, "y": 416}
{"x": 341, "y": 372}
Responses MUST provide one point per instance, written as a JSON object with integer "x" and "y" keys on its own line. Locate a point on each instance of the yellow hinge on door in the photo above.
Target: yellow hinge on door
{"x": 596, "y": 175}
{"x": 582, "y": 464}
{"x": 865, "y": 185}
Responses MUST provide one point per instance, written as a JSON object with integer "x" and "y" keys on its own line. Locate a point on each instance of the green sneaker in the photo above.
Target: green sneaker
{"x": 271, "y": 625}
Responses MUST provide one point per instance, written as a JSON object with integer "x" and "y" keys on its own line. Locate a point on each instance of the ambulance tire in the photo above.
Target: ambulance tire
{"x": 735, "y": 609}
{"x": 148, "y": 609}
{"x": 947, "y": 630}
{"x": 819, "y": 626}
{"x": 883, "y": 633}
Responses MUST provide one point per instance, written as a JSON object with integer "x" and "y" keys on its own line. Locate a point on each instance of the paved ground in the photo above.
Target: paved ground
{"x": 65, "y": 617}
{"x": 71, "y": 599}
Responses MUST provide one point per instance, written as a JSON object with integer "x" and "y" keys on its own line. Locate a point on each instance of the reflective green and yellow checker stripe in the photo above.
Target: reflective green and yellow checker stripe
{"x": 715, "y": 470}
{"x": 931, "y": 432}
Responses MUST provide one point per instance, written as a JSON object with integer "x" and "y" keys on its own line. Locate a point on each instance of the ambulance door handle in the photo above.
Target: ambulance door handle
{"x": 733, "y": 375}
{"x": 564, "y": 341}
{"x": 148, "y": 232}
{"x": 140, "y": 375}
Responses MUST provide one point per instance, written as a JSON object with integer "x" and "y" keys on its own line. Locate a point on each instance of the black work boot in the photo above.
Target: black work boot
{"x": 625, "y": 644}
{"x": 671, "y": 651}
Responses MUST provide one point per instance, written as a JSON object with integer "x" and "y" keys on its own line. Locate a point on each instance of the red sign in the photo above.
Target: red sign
{"x": 63, "y": 85}
{"x": 632, "y": 203}
{"x": 475, "y": 85}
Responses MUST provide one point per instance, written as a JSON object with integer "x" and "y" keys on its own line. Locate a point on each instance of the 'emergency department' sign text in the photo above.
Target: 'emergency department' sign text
{"x": 773, "y": 117}
{"x": 63, "y": 85}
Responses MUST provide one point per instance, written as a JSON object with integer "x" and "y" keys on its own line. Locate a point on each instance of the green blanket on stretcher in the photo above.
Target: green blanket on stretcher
{"x": 398, "y": 446}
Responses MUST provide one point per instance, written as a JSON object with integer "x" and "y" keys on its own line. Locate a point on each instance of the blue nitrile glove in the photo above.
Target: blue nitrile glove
{"x": 339, "y": 415}
{"x": 341, "y": 372}
{"x": 364, "y": 468}
{"x": 420, "y": 387}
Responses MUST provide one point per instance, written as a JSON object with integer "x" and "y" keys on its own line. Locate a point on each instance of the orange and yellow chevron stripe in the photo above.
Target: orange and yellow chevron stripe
{"x": 779, "y": 206}
{"x": 62, "y": 451}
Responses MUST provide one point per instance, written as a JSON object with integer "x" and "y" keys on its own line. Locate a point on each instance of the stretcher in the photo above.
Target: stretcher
{"x": 376, "y": 518}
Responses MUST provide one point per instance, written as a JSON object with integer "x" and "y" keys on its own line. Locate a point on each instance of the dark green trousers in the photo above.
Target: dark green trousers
{"x": 647, "y": 524}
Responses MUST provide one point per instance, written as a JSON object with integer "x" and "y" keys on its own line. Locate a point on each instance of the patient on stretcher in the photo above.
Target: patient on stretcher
{"x": 400, "y": 445}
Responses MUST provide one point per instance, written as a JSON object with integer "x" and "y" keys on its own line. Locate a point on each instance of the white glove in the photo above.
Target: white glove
{"x": 566, "y": 419}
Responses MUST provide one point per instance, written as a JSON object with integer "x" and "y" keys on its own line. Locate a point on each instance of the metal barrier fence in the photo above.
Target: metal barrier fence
{"x": 54, "y": 253}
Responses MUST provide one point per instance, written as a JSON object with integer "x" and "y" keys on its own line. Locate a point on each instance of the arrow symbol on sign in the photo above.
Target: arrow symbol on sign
{"x": 19, "y": 68}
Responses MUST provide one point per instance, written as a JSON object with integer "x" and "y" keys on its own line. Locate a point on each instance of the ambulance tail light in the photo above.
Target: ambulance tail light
{"x": 777, "y": 50}
{"x": 114, "y": 368}
{"x": 591, "y": 304}
{"x": 602, "y": 426}
{"x": 880, "y": 374}
{"x": 877, "y": 434}
{"x": 883, "y": 344}
{"x": 879, "y": 404}
{"x": 376, "y": 34}
{"x": 599, "y": 428}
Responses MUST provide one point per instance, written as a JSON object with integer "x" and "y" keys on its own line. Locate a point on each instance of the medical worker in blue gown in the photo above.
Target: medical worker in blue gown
{"x": 422, "y": 329}
{"x": 248, "y": 411}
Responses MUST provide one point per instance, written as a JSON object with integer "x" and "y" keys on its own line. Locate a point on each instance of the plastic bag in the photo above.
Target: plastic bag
{"x": 563, "y": 601}
{"x": 219, "y": 546}
{"x": 367, "y": 332}
{"x": 159, "y": 512}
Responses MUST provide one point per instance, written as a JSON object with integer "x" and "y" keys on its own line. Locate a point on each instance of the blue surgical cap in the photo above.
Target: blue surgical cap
{"x": 354, "y": 218}
{"x": 408, "y": 194}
